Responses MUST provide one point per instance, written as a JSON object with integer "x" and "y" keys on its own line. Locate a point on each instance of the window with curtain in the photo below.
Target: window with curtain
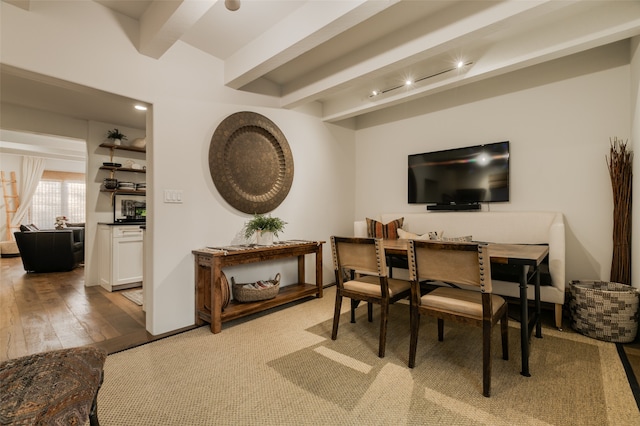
{"x": 58, "y": 194}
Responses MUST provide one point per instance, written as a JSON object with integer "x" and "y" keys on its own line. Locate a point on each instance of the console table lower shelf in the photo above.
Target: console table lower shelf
{"x": 287, "y": 294}
{"x": 208, "y": 272}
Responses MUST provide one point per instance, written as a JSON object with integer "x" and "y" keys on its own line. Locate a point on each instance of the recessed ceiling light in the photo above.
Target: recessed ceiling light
{"x": 140, "y": 107}
{"x": 232, "y": 5}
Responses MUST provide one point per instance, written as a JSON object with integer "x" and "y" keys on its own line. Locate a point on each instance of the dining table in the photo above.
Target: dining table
{"x": 526, "y": 256}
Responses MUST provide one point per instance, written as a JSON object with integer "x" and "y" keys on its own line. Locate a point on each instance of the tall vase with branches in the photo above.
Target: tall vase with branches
{"x": 620, "y": 170}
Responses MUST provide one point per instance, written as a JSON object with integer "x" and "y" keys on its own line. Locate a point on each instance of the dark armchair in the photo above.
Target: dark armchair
{"x": 51, "y": 250}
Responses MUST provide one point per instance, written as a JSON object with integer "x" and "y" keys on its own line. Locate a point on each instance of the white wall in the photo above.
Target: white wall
{"x": 36, "y": 121}
{"x": 188, "y": 101}
{"x": 635, "y": 144}
{"x": 558, "y": 117}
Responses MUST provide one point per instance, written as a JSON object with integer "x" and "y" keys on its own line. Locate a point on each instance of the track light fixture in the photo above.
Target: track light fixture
{"x": 410, "y": 83}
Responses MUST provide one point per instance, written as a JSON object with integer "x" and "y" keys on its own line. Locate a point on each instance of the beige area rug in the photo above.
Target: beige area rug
{"x": 134, "y": 295}
{"x": 284, "y": 369}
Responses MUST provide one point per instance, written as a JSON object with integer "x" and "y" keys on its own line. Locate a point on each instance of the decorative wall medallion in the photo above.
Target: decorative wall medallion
{"x": 250, "y": 162}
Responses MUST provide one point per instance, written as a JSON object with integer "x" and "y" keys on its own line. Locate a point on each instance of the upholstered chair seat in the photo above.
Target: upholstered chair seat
{"x": 463, "y": 303}
{"x": 371, "y": 285}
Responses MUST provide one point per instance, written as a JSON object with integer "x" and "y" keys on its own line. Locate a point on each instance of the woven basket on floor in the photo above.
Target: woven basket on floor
{"x": 604, "y": 310}
{"x": 241, "y": 293}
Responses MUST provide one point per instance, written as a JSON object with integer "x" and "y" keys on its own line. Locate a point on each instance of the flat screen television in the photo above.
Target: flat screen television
{"x": 461, "y": 176}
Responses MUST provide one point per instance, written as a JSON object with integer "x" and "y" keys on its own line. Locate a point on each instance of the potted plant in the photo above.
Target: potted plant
{"x": 115, "y": 136}
{"x": 265, "y": 227}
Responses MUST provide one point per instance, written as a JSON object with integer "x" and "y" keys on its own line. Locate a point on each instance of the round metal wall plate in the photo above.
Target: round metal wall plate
{"x": 250, "y": 162}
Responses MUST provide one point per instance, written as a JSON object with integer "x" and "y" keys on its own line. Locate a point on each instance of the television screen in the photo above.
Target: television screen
{"x": 474, "y": 174}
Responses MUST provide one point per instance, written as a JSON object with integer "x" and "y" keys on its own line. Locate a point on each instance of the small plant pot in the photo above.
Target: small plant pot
{"x": 264, "y": 238}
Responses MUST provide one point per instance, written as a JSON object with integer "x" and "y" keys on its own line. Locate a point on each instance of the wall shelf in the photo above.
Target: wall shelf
{"x": 123, "y": 147}
{"x": 124, "y": 191}
{"x": 123, "y": 169}
{"x": 113, "y": 169}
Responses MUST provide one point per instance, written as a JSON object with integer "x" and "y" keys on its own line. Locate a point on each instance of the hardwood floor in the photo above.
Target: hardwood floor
{"x": 47, "y": 311}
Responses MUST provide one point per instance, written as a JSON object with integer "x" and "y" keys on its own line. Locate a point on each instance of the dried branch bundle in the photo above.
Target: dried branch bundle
{"x": 620, "y": 170}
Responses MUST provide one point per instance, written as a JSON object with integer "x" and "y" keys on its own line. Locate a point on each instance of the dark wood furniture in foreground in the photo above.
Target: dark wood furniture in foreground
{"x": 208, "y": 272}
{"x": 52, "y": 388}
{"x": 529, "y": 258}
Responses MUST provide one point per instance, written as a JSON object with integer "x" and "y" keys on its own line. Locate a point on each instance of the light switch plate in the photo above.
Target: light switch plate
{"x": 173, "y": 196}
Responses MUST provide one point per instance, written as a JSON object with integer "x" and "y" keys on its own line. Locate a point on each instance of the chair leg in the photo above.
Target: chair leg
{"x": 504, "y": 331}
{"x": 336, "y": 315}
{"x": 486, "y": 358}
{"x": 370, "y": 311}
{"x": 440, "y": 329}
{"x": 413, "y": 343}
{"x": 384, "y": 316}
{"x": 354, "y": 305}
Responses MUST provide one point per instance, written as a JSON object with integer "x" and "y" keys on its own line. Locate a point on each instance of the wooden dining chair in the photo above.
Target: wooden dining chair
{"x": 456, "y": 263}
{"x": 361, "y": 275}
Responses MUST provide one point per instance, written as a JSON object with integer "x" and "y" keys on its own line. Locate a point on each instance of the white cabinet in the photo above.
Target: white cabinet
{"x": 121, "y": 256}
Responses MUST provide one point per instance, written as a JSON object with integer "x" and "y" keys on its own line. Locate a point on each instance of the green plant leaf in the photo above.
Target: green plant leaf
{"x": 115, "y": 134}
{"x": 261, "y": 222}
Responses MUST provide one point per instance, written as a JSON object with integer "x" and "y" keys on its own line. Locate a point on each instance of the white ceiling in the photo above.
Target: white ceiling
{"x": 337, "y": 52}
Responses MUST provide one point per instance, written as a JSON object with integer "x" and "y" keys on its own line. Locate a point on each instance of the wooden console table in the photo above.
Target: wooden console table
{"x": 208, "y": 271}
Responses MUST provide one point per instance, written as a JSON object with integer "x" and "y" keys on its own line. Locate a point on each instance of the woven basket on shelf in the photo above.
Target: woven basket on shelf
{"x": 244, "y": 292}
{"x": 604, "y": 310}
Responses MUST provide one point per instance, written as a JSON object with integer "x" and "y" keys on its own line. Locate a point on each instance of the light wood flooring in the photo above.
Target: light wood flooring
{"x": 47, "y": 311}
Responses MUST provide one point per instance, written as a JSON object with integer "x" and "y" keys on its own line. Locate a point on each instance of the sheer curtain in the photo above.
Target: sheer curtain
{"x": 32, "y": 168}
